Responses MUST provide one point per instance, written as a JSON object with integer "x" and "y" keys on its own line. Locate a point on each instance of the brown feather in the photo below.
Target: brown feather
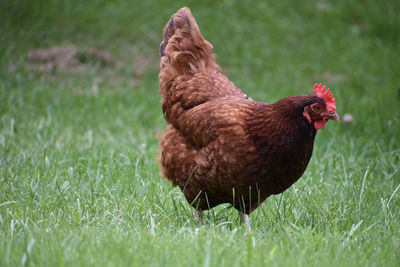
{"x": 219, "y": 145}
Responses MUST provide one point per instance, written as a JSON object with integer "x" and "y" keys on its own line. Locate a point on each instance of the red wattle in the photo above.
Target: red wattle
{"x": 320, "y": 124}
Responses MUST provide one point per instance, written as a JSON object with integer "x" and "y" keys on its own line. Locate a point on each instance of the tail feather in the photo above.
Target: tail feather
{"x": 184, "y": 48}
{"x": 184, "y": 53}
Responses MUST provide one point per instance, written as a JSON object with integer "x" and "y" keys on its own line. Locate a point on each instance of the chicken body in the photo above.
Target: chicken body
{"x": 221, "y": 146}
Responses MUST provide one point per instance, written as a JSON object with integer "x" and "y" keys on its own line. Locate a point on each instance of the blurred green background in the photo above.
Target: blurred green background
{"x": 80, "y": 113}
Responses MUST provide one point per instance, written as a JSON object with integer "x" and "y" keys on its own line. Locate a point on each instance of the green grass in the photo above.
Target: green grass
{"x": 79, "y": 181}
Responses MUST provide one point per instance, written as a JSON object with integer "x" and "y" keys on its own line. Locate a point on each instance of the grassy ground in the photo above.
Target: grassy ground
{"x": 79, "y": 182}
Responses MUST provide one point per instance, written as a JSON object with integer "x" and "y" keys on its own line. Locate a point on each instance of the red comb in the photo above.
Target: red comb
{"x": 326, "y": 95}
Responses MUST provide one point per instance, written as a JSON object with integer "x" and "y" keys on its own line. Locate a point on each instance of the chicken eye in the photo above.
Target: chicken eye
{"x": 317, "y": 107}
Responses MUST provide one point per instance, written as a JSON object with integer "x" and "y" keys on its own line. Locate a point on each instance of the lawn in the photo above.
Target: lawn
{"x": 78, "y": 134}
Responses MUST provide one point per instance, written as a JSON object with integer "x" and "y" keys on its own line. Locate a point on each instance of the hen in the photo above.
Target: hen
{"x": 219, "y": 145}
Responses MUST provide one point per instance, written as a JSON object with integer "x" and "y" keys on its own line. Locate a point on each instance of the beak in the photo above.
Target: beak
{"x": 332, "y": 116}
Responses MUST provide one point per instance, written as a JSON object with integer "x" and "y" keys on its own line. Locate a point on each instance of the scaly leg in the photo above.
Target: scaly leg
{"x": 244, "y": 218}
{"x": 198, "y": 216}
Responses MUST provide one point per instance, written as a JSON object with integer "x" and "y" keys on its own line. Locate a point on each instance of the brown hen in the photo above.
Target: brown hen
{"x": 221, "y": 146}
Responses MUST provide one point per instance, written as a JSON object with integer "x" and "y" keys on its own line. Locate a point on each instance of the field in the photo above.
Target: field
{"x": 80, "y": 114}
